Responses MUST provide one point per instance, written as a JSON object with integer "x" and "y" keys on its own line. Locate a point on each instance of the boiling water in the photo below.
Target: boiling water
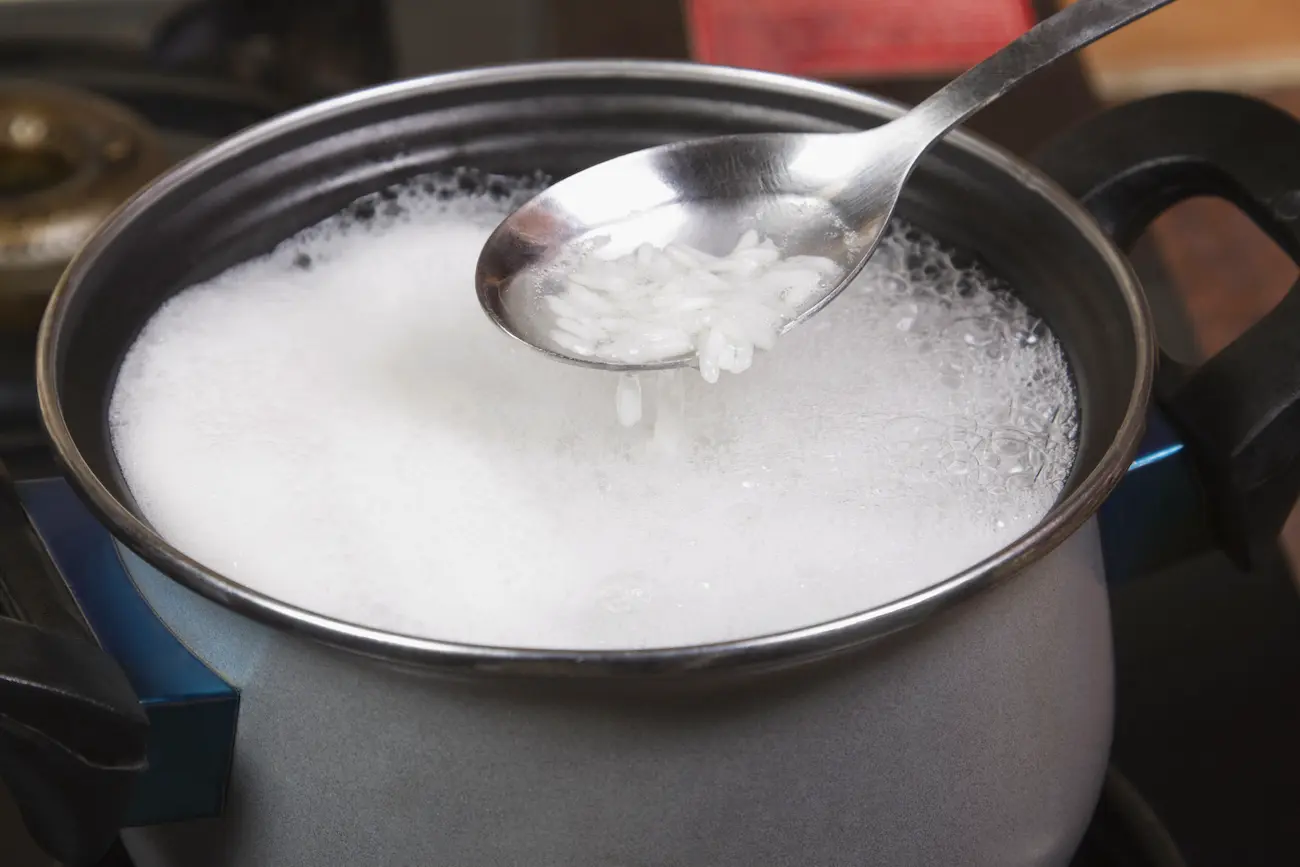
{"x": 339, "y": 425}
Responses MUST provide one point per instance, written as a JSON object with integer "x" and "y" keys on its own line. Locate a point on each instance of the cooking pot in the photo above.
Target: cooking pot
{"x": 968, "y": 723}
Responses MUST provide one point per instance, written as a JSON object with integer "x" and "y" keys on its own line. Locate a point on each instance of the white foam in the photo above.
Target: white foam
{"x": 355, "y": 437}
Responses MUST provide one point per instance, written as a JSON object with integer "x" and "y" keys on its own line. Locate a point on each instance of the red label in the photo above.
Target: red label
{"x": 853, "y": 38}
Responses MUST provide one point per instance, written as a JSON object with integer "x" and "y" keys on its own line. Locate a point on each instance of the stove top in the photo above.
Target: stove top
{"x": 187, "y": 774}
{"x": 1205, "y": 766}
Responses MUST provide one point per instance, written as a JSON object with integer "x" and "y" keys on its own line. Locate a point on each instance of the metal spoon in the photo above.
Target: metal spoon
{"x": 827, "y": 195}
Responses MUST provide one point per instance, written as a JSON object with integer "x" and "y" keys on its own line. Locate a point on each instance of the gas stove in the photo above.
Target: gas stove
{"x": 1205, "y": 763}
{"x": 1186, "y": 739}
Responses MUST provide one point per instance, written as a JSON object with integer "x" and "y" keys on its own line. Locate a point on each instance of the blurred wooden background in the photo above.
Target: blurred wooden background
{"x": 1235, "y": 44}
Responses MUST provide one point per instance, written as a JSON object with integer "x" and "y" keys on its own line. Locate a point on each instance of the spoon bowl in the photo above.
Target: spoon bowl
{"x": 828, "y": 195}
{"x": 791, "y": 188}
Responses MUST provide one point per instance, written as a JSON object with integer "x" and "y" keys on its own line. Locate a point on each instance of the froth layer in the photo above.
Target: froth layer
{"x": 338, "y": 425}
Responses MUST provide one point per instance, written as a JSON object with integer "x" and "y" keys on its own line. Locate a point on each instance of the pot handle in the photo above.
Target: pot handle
{"x": 72, "y": 733}
{"x": 1238, "y": 412}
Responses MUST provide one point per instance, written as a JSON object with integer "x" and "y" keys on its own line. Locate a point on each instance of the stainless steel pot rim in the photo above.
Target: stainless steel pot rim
{"x": 748, "y": 655}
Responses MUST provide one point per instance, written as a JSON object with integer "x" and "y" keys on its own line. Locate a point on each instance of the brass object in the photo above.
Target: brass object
{"x": 68, "y": 159}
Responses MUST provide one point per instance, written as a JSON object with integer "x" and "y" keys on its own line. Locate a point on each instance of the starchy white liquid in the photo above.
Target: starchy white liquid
{"x": 339, "y": 425}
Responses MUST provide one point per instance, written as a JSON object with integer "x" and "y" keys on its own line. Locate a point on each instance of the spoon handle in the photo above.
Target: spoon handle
{"x": 1067, "y": 31}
